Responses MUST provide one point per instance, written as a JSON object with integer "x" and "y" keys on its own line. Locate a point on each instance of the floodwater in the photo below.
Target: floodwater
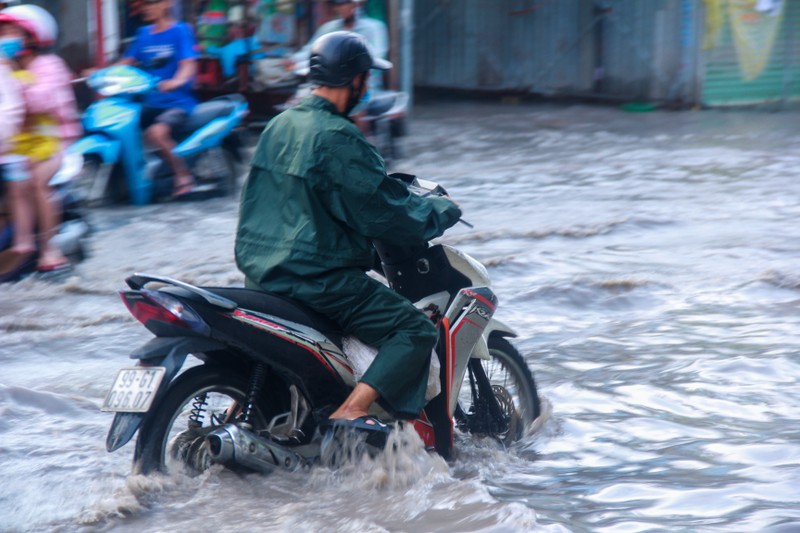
{"x": 650, "y": 263}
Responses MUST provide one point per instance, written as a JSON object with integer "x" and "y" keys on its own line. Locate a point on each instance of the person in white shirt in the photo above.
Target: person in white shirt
{"x": 349, "y": 19}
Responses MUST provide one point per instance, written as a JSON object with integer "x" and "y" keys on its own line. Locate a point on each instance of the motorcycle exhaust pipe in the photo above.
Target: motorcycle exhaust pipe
{"x": 232, "y": 445}
{"x": 220, "y": 446}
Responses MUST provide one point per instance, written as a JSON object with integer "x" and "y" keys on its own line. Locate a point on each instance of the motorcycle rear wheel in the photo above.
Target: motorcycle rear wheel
{"x": 218, "y": 166}
{"x": 196, "y": 403}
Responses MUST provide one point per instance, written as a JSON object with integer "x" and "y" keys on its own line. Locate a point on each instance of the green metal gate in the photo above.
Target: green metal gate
{"x": 746, "y": 60}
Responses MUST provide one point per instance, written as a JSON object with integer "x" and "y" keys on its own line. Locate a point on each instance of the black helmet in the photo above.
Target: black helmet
{"x": 338, "y": 57}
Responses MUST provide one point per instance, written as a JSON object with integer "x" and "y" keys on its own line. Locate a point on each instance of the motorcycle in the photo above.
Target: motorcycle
{"x": 71, "y": 237}
{"x": 112, "y": 162}
{"x": 271, "y": 370}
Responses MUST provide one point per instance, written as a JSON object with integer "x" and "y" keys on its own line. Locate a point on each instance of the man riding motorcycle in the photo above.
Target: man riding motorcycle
{"x": 316, "y": 197}
{"x": 166, "y": 49}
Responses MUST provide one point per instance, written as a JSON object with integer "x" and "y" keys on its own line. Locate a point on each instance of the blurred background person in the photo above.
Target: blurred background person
{"x": 12, "y": 108}
{"x": 350, "y": 19}
{"x": 12, "y": 111}
{"x": 166, "y": 49}
{"x": 51, "y": 123}
{"x": 377, "y": 39}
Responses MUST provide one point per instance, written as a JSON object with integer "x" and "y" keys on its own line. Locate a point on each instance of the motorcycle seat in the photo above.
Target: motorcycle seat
{"x": 205, "y": 112}
{"x": 280, "y": 306}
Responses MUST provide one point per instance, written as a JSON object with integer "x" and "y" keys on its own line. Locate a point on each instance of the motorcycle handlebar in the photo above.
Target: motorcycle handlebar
{"x": 425, "y": 188}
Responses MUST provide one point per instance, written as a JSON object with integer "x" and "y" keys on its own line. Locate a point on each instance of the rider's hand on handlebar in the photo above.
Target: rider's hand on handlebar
{"x": 467, "y": 224}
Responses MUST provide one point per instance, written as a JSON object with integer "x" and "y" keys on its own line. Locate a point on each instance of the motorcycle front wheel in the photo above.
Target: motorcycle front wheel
{"x": 514, "y": 391}
{"x": 91, "y": 185}
{"x": 200, "y": 400}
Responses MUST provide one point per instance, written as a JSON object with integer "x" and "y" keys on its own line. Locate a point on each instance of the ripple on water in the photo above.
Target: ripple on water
{"x": 609, "y": 294}
{"x": 664, "y": 249}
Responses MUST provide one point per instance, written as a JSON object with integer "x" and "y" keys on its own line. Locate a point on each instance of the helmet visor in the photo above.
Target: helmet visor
{"x": 381, "y": 64}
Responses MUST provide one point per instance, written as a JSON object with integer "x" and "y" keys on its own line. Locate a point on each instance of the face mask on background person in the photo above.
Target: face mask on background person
{"x": 11, "y": 47}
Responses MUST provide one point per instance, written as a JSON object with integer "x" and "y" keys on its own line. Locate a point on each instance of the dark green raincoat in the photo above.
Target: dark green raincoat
{"x": 316, "y": 196}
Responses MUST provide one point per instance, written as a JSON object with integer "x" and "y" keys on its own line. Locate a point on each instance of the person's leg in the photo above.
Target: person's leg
{"x": 379, "y": 317}
{"x": 48, "y": 212}
{"x": 18, "y": 217}
{"x": 405, "y": 338}
{"x": 160, "y": 134}
{"x": 19, "y": 191}
{"x": 23, "y": 215}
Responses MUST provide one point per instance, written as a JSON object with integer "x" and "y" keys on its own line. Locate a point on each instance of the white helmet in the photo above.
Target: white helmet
{"x": 35, "y": 20}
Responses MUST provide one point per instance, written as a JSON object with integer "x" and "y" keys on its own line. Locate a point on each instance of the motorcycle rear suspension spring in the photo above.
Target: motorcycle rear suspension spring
{"x": 256, "y": 381}
{"x": 198, "y": 409}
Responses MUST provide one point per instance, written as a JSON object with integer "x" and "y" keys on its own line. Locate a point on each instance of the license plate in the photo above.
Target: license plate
{"x": 134, "y": 389}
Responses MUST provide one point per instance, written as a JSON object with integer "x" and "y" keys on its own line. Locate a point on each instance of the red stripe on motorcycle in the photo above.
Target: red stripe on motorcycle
{"x": 450, "y": 371}
{"x": 273, "y": 328}
{"x": 468, "y": 321}
{"x": 477, "y": 296}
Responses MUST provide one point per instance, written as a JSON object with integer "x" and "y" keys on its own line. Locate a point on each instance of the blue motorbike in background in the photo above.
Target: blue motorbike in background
{"x": 112, "y": 162}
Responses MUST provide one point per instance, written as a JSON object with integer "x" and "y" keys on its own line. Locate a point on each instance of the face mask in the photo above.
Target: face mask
{"x": 355, "y": 98}
{"x": 11, "y": 47}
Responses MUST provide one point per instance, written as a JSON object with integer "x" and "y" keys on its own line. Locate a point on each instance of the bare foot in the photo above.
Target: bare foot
{"x": 347, "y": 414}
{"x": 357, "y": 403}
{"x": 183, "y": 185}
{"x": 51, "y": 259}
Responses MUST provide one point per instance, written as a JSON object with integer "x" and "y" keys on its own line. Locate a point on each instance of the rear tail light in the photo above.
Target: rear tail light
{"x": 157, "y": 309}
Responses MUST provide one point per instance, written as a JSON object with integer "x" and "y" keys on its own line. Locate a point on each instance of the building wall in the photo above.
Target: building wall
{"x": 73, "y": 37}
{"x": 759, "y": 68}
{"x": 648, "y": 50}
{"x": 622, "y": 49}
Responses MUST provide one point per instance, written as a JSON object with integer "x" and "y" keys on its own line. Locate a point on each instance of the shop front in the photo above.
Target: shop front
{"x": 751, "y": 52}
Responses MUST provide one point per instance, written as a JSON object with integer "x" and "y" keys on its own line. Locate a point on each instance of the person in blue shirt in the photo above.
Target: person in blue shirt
{"x": 166, "y": 49}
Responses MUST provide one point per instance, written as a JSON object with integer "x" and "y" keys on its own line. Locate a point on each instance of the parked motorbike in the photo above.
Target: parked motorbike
{"x": 112, "y": 162}
{"x": 72, "y": 235}
{"x": 271, "y": 371}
